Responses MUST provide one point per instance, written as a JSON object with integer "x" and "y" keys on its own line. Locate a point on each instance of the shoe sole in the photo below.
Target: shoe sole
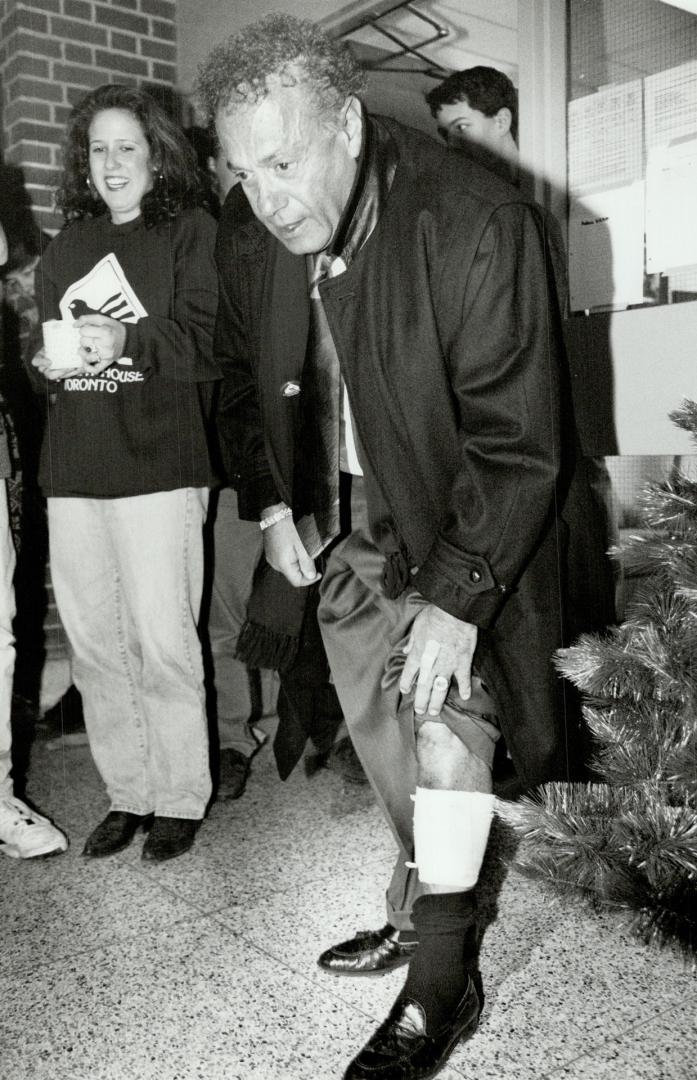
{"x": 147, "y": 858}
{"x": 15, "y": 853}
{"x": 105, "y": 854}
{"x": 230, "y": 796}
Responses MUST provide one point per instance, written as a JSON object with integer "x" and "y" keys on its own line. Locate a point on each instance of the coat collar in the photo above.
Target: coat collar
{"x": 377, "y": 165}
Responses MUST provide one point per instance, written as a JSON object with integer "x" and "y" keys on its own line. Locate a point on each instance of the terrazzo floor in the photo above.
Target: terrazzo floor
{"x": 204, "y": 968}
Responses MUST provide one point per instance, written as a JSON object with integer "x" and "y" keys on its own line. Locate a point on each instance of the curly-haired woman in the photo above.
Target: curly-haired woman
{"x": 125, "y": 464}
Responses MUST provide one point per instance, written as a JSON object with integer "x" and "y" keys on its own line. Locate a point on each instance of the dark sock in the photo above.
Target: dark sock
{"x": 438, "y": 971}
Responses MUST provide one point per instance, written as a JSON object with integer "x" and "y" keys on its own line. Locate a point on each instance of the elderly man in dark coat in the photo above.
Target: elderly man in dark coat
{"x": 396, "y": 405}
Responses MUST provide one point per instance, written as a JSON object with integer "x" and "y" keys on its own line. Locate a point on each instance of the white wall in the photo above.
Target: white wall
{"x": 201, "y": 24}
{"x": 479, "y": 32}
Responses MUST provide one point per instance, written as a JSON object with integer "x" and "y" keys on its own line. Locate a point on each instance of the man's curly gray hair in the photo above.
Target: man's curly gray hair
{"x": 293, "y": 50}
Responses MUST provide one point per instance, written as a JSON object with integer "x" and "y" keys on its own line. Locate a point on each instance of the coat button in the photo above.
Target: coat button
{"x": 475, "y": 577}
{"x": 290, "y": 389}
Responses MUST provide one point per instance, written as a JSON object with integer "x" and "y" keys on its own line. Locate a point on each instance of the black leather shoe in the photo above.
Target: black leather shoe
{"x": 234, "y": 770}
{"x": 401, "y": 1048}
{"x": 168, "y": 838}
{"x": 344, "y": 760}
{"x": 370, "y": 952}
{"x": 113, "y": 834}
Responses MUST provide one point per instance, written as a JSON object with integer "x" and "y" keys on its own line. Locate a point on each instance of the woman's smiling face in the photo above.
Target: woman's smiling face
{"x": 120, "y": 164}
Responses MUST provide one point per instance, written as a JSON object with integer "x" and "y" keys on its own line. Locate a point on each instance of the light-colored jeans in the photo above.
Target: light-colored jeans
{"x": 7, "y": 651}
{"x": 128, "y": 577}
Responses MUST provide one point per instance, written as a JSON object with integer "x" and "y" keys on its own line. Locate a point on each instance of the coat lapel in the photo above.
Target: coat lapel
{"x": 283, "y": 345}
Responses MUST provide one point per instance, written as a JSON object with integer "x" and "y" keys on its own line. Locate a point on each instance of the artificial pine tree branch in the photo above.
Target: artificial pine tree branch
{"x": 627, "y": 661}
{"x": 597, "y": 841}
{"x": 671, "y": 505}
{"x": 656, "y": 601}
{"x": 685, "y": 416}
{"x": 629, "y": 839}
{"x": 652, "y": 552}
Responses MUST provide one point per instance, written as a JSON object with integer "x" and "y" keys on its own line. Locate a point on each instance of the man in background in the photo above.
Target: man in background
{"x": 245, "y": 655}
{"x": 477, "y": 110}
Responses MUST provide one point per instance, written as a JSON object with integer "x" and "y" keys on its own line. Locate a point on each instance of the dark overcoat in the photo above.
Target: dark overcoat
{"x": 448, "y": 332}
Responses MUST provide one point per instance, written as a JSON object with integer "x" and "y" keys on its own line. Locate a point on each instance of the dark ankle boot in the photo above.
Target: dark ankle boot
{"x": 168, "y": 838}
{"x": 113, "y": 834}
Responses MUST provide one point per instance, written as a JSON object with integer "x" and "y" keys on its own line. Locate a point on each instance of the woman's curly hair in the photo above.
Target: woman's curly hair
{"x": 295, "y": 50}
{"x": 177, "y": 182}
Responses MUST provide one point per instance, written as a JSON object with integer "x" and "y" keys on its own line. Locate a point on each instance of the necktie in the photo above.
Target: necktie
{"x": 321, "y": 390}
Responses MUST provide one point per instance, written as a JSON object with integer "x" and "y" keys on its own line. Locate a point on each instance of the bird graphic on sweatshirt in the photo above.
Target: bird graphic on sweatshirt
{"x": 116, "y": 307}
{"x": 103, "y": 290}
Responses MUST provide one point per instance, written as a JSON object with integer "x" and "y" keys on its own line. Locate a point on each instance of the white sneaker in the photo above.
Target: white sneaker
{"x": 24, "y": 834}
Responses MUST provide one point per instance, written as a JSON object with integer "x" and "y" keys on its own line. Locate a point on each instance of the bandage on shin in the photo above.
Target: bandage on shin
{"x": 451, "y": 830}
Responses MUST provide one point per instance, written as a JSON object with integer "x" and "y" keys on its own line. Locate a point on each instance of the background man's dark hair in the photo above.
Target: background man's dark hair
{"x": 485, "y": 89}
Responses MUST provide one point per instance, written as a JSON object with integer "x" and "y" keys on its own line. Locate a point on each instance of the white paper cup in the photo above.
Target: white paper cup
{"x": 61, "y": 342}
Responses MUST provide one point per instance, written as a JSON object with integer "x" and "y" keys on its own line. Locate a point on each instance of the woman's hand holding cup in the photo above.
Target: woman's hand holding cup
{"x": 102, "y": 340}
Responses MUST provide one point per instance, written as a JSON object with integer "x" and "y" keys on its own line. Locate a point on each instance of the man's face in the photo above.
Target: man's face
{"x": 19, "y": 284}
{"x": 296, "y": 174}
{"x": 461, "y": 125}
{"x": 221, "y": 175}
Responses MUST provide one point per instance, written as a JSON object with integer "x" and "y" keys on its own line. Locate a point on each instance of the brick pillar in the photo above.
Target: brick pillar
{"x": 52, "y": 53}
